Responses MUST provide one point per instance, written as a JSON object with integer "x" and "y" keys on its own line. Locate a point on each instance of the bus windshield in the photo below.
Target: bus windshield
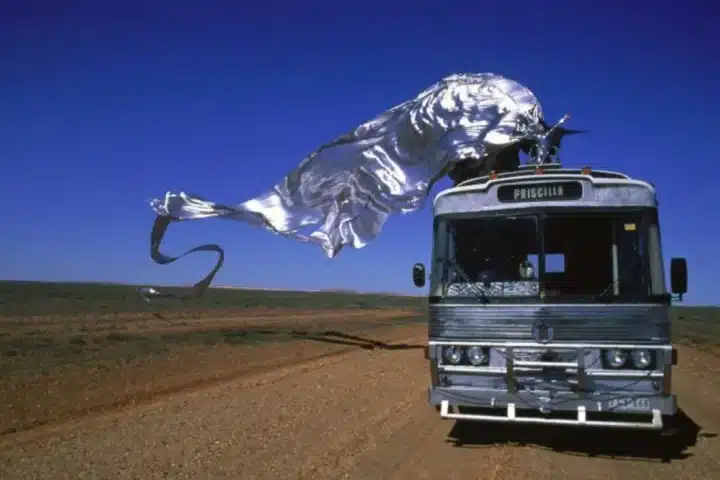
{"x": 553, "y": 256}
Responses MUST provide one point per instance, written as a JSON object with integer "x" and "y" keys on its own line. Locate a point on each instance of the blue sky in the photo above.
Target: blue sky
{"x": 103, "y": 107}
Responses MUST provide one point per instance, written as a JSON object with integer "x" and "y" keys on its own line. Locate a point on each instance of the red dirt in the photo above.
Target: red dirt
{"x": 307, "y": 409}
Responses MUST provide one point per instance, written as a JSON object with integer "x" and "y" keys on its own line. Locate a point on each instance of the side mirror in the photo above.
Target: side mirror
{"x": 678, "y": 276}
{"x": 418, "y": 273}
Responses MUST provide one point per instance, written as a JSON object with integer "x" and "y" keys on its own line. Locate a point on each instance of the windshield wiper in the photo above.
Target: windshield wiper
{"x": 621, "y": 270}
{"x": 480, "y": 293}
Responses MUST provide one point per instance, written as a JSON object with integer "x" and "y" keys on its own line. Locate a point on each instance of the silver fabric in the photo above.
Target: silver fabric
{"x": 346, "y": 189}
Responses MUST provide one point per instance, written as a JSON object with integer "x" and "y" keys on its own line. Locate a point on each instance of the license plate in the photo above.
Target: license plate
{"x": 636, "y": 404}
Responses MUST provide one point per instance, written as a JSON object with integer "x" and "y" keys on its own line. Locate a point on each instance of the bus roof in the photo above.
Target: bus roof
{"x": 604, "y": 188}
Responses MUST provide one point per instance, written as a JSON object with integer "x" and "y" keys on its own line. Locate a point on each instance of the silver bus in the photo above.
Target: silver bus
{"x": 548, "y": 303}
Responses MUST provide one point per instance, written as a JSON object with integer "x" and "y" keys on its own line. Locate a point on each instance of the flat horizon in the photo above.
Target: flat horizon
{"x": 258, "y": 288}
{"x": 214, "y": 287}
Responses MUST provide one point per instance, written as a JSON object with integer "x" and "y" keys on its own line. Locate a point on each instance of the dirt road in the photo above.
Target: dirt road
{"x": 354, "y": 413}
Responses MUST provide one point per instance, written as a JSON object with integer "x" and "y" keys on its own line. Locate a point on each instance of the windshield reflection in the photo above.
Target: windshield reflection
{"x": 560, "y": 256}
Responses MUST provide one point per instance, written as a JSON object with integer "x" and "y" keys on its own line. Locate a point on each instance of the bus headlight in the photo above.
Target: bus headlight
{"x": 642, "y": 359}
{"x": 477, "y": 356}
{"x": 616, "y": 358}
{"x": 452, "y": 354}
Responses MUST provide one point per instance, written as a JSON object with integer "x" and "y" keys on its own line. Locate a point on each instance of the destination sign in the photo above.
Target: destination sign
{"x": 539, "y": 192}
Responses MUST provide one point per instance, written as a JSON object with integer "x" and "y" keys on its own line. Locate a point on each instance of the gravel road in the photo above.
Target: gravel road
{"x": 359, "y": 413}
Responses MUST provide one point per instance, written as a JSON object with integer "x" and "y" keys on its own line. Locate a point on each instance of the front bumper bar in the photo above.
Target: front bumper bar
{"x": 578, "y": 406}
{"x": 582, "y": 421}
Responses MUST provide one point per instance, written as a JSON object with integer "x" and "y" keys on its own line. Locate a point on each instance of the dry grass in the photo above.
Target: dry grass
{"x": 83, "y": 357}
{"x": 47, "y": 378}
{"x": 698, "y": 327}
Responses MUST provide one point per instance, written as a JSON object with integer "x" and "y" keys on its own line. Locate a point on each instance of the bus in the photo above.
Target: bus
{"x": 548, "y": 302}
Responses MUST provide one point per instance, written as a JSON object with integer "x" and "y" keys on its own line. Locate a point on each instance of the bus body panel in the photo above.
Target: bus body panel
{"x": 545, "y": 356}
{"x": 622, "y": 323}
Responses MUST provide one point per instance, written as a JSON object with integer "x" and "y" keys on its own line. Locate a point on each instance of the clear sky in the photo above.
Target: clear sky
{"x": 104, "y": 105}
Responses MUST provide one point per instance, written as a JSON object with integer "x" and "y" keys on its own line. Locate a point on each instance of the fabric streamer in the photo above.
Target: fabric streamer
{"x": 345, "y": 190}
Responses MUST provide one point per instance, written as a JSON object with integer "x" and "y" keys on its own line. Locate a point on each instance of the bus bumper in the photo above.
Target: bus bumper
{"x": 566, "y": 408}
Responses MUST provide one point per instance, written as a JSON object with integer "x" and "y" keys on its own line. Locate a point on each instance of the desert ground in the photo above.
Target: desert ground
{"x": 94, "y": 383}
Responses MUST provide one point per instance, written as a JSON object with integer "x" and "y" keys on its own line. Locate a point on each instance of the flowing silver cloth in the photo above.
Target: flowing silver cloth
{"x": 344, "y": 191}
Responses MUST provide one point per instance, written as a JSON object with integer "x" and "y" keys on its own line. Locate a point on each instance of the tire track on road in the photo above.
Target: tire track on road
{"x": 259, "y": 369}
{"x": 358, "y": 414}
{"x": 309, "y": 419}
